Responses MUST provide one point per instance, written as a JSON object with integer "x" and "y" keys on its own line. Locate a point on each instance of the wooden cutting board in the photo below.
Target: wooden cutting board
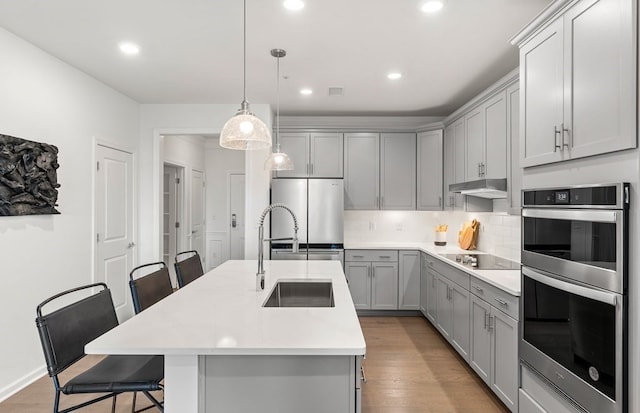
{"x": 468, "y": 235}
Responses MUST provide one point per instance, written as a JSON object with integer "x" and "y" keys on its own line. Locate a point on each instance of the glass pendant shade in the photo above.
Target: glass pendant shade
{"x": 245, "y": 131}
{"x": 279, "y": 161}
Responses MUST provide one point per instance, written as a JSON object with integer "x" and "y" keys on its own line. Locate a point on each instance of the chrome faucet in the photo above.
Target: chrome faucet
{"x": 261, "y": 240}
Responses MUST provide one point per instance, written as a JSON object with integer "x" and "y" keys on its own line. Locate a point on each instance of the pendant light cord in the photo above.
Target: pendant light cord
{"x": 244, "y": 51}
{"x": 278, "y": 107}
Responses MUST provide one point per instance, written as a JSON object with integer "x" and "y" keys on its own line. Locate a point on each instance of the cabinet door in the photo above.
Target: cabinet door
{"x": 504, "y": 358}
{"x": 514, "y": 181}
{"x": 361, "y": 171}
{"x": 541, "y": 78}
{"x": 460, "y": 310}
{"x": 296, "y": 145}
{"x": 600, "y": 77}
{"x": 444, "y": 315}
{"x": 480, "y": 348}
{"x": 409, "y": 280}
{"x": 423, "y": 284}
{"x": 494, "y": 164}
{"x": 430, "y": 171}
{"x": 398, "y": 171}
{"x": 448, "y": 176}
{"x": 359, "y": 277}
{"x": 384, "y": 288}
{"x": 432, "y": 297}
{"x": 459, "y": 161}
{"x": 474, "y": 126}
{"x": 326, "y": 158}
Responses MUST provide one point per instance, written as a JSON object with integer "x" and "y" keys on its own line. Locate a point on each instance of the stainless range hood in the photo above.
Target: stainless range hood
{"x": 482, "y": 188}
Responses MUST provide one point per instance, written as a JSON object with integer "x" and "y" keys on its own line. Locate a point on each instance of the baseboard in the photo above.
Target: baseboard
{"x": 21, "y": 383}
{"x": 389, "y": 313}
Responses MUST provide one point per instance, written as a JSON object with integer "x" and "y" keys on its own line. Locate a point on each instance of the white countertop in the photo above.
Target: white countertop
{"x": 222, "y": 313}
{"x": 506, "y": 280}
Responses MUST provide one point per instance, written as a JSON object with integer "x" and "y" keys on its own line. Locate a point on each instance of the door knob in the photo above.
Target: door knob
{"x": 233, "y": 221}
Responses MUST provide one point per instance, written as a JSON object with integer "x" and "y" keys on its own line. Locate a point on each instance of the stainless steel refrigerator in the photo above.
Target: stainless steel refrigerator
{"x": 319, "y": 206}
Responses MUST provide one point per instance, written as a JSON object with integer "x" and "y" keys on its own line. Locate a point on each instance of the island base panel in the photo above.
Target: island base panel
{"x": 280, "y": 384}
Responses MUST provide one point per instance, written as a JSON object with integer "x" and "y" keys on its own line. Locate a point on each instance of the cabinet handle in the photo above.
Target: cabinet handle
{"x": 556, "y": 132}
{"x": 483, "y": 169}
{"x": 478, "y": 169}
{"x": 307, "y": 170}
{"x": 475, "y": 287}
{"x": 378, "y": 202}
{"x": 440, "y": 201}
{"x": 385, "y": 256}
{"x": 492, "y": 322}
{"x": 452, "y": 201}
{"x": 311, "y": 169}
{"x": 486, "y": 320}
{"x": 358, "y": 256}
{"x": 502, "y": 302}
{"x": 449, "y": 293}
{"x": 433, "y": 282}
{"x": 430, "y": 263}
{"x": 381, "y": 202}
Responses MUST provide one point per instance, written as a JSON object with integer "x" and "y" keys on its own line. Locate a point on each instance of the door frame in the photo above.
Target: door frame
{"x": 94, "y": 213}
{"x": 157, "y": 174}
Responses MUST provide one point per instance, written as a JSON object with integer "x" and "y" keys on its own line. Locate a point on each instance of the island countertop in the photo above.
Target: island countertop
{"x": 222, "y": 313}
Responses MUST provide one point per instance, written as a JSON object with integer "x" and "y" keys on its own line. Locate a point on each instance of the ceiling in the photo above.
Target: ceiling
{"x": 191, "y": 50}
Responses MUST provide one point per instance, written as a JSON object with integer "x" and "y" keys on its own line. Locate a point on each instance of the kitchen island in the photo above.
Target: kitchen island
{"x": 225, "y": 352}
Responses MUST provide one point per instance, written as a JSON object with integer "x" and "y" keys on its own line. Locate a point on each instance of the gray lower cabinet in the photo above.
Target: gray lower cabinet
{"x": 494, "y": 350}
{"x": 373, "y": 278}
{"x": 424, "y": 292}
{"x": 452, "y": 313}
{"x": 359, "y": 276}
{"x": 409, "y": 280}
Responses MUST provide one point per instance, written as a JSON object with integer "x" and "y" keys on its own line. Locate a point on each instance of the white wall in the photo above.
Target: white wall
{"x": 45, "y": 100}
{"x": 219, "y": 163}
{"x": 165, "y": 119}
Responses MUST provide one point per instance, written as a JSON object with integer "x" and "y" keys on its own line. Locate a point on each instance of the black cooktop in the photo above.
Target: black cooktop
{"x": 483, "y": 261}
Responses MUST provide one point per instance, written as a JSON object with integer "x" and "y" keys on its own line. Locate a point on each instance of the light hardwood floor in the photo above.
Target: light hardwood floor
{"x": 410, "y": 368}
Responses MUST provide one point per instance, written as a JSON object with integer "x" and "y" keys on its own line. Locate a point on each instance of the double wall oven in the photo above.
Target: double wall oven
{"x": 574, "y": 292}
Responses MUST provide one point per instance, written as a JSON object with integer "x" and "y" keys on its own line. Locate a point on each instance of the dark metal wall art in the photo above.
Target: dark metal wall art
{"x": 28, "y": 178}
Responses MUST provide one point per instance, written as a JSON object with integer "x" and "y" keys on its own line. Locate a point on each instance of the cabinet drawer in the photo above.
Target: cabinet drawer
{"x": 371, "y": 255}
{"x": 502, "y": 300}
{"x": 457, "y": 276}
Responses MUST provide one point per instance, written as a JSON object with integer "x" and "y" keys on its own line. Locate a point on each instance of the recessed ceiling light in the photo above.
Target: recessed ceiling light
{"x": 293, "y": 4}
{"x": 306, "y": 91}
{"x": 129, "y": 48}
{"x": 394, "y": 75}
{"x": 431, "y": 6}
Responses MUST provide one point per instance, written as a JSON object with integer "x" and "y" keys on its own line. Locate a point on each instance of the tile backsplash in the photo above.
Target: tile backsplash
{"x": 499, "y": 233}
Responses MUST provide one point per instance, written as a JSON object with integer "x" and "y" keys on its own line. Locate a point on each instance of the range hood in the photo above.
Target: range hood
{"x": 482, "y": 188}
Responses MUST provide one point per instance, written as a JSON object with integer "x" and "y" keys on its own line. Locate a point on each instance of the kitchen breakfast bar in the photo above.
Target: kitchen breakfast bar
{"x": 227, "y": 352}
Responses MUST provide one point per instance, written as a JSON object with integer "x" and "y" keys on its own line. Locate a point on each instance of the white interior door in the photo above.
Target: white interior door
{"x": 114, "y": 224}
{"x": 171, "y": 217}
{"x": 197, "y": 213}
{"x": 236, "y": 218}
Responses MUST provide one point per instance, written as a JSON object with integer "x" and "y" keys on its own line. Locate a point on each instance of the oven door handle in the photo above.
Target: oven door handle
{"x": 592, "y": 293}
{"x": 574, "y": 215}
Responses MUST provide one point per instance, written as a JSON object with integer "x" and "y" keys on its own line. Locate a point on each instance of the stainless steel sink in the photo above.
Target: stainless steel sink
{"x": 301, "y": 294}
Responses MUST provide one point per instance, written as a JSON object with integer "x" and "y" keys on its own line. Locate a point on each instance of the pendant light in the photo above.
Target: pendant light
{"x": 278, "y": 161}
{"x": 245, "y": 131}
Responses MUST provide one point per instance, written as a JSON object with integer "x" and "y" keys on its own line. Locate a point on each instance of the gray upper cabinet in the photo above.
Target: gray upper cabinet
{"x": 486, "y": 133}
{"x": 430, "y": 169}
{"x": 474, "y": 124}
{"x": 296, "y": 145}
{"x": 380, "y": 171}
{"x": 326, "y": 155}
{"x": 398, "y": 171}
{"x": 317, "y": 155}
{"x": 579, "y": 84}
{"x": 362, "y": 170}
{"x": 514, "y": 178}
